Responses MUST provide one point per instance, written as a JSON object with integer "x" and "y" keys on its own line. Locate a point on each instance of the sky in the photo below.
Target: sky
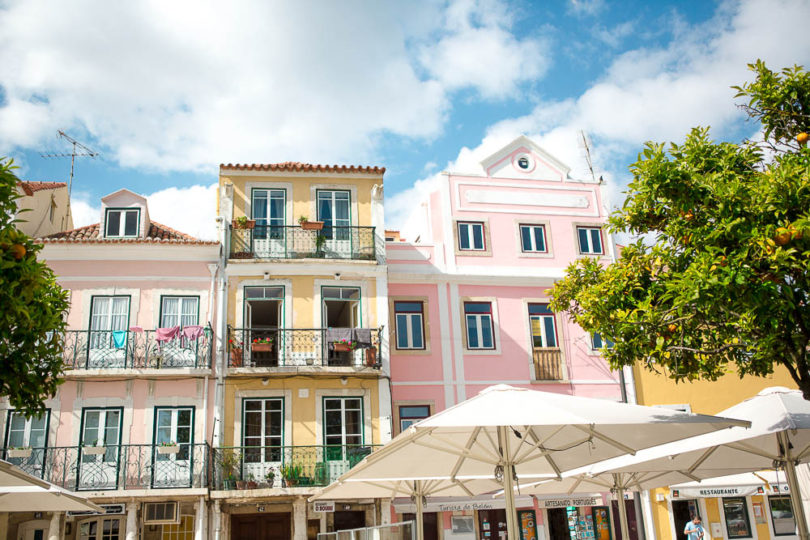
{"x": 166, "y": 91}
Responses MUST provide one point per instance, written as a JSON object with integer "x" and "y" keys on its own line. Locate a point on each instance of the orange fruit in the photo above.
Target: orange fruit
{"x": 782, "y": 236}
{"x": 672, "y": 327}
{"x": 802, "y": 138}
{"x": 18, "y": 250}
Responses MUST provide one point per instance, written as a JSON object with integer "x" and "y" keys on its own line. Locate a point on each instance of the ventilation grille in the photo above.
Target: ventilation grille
{"x": 162, "y": 512}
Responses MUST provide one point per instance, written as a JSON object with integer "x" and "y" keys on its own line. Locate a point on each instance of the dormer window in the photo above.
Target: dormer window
{"x": 122, "y": 222}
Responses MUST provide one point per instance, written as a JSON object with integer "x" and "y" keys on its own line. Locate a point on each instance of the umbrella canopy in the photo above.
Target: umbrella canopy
{"x": 12, "y": 476}
{"x": 508, "y": 433}
{"x": 21, "y": 492}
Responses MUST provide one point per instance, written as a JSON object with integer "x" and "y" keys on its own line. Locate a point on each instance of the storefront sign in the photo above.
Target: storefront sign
{"x": 725, "y": 491}
{"x": 570, "y": 501}
{"x": 458, "y": 504}
{"x": 323, "y": 506}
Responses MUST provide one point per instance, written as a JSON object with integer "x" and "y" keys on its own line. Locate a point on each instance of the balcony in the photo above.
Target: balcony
{"x": 547, "y": 364}
{"x": 293, "y": 347}
{"x": 268, "y": 467}
{"x": 121, "y": 467}
{"x": 294, "y": 242}
{"x": 135, "y": 349}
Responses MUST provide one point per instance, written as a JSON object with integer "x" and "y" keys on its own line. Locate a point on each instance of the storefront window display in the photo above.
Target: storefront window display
{"x": 738, "y": 524}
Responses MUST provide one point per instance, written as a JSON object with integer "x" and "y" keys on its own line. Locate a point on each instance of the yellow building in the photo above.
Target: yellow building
{"x": 43, "y": 208}
{"x": 305, "y": 393}
{"x": 739, "y": 515}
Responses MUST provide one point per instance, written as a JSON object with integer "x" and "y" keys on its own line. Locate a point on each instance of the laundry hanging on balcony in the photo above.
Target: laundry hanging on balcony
{"x": 119, "y": 338}
{"x": 192, "y": 332}
{"x": 166, "y": 334}
{"x": 362, "y": 337}
{"x": 359, "y": 338}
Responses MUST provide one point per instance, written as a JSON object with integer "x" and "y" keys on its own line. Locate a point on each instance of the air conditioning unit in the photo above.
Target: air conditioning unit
{"x": 158, "y": 513}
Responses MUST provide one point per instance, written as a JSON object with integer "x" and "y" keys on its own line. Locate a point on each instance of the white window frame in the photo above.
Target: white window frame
{"x": 479, "y": 317}
{"x": 410, "y": 324}
{"x": 411, "y": 419}
{"x": 603, "y": 340}
{"x": 471, "y": 225}
{"x": 182, "y": 300}
{"x": 343, "y": 409}
{"x": 27, "y": 428}
{"x": 122, "y": 222}
{"x": 589, "y": 237}
{"x": 532, "y": 239}
{"x": 543, "y": 335}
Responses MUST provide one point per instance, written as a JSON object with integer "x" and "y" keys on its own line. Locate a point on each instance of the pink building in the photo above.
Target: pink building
{"x": 469, "y": 308}
{"x": 131, "y": 425}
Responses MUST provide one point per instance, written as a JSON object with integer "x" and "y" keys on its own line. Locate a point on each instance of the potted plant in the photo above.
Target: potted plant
{"x": 371, "y": 357}
{"x": 229, "y": 482}
{"x": 96, "y": 449}
{"x": 290, "y": 474}
{"x": 344, "y": 345}
{"x": 236, "y": 354}
{"x": 269, "y": 477}
{"x": 241, "y": 484}
{"x": 320, "y": 241}
{"x": 230, "y": 460}
{"x": 242, "y": 222}
{"x": 251, "y": 483}
{"x": 19, "y": 452}
{"x": 262, "y": 344}
{"x": 308, "y": 225}
{"x": 169, "y": 447}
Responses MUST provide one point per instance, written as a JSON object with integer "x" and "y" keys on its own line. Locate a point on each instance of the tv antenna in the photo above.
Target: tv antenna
{"x": 585, "y": 143}
{"x": 79, "y": 150}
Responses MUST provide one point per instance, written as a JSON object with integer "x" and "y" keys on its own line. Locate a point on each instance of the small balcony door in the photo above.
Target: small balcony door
{"x": 343, "y": 434}
{"x": 262, "y": 438}
{"x": 269, "y": 234}
{"x": 340, "y": 308}
{"x": 30, "y": 435}
{"x": 101, "y": 450}
{"x": 173, "y": 467}
{"x": 334, "y": 209}
{"x": 108, "y": 337}
{"x": 264, "y": 316}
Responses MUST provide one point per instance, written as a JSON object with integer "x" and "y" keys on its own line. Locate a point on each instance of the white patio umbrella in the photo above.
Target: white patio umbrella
{"x": 509, "y": 433}
{"x": 21, "y": 492}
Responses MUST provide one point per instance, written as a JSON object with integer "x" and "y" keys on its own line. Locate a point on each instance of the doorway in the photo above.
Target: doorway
{"x": 632, "y": 522}
{"x": 558, "y": 524}
{"x": 274, "y": 526}
{"x": 341, "y": 309}
{"x": 682, "y": 511}
{"x": 33, "y": 530}
{"x": 264, "y": 317}
{"x": 349, "y": 519}
{"x": 430, "y": 524}
{"x": 492, "y": 524}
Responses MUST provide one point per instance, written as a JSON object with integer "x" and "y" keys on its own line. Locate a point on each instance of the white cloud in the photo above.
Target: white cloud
{"x": 586, "y": 7}
{"x": 183, "y": 85}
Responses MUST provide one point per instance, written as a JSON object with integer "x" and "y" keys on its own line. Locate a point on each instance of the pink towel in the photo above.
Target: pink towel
{"x": 138, "y": 329}
{"x": 167, "y": 334}
{"x": 191, "y": 332}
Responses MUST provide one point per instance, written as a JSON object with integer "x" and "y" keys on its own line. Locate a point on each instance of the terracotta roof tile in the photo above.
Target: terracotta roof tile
{"x": 31, "y": 187}
{"x": 91, "y": 233}
{"x": 297, "y": 166}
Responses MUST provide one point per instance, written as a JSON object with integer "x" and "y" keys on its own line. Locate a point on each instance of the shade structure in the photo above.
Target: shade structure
{"x": 513, "y": 433}
{"x": 21, "y": 492}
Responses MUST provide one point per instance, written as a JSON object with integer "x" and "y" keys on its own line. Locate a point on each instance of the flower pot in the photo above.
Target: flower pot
{"x": 341, "y": 347}
{"x": 312, "y": 225}
{"x": 94, "y": 450}
{"x": 241, "y": 484}
{"x": 236, "y": 357}
{"x": 371, "y": 357}
{"x": 18, "y": 452}
{"x": 252, "y": 485}
{"x": 262, "y": 347}
{"x": 270, "y": 481}
{"x": 290, "y": 482}
{"x": 172, "y": 449}
{"x": 249, "y": 224}
{"x": 228, "y": 484}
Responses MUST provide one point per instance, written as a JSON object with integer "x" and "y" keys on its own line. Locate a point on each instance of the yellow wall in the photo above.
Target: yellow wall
{"x": 34, "y": 212}
{"x": 302, "y": 197}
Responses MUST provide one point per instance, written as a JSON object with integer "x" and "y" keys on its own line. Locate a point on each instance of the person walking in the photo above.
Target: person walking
{"x": 694, "y": 530}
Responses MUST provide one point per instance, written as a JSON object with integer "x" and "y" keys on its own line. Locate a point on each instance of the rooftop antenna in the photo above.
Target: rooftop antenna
{"x": 79, "y": 150}
{"x": 585, "y": 143}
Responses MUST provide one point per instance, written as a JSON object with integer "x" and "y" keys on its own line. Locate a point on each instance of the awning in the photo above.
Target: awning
{"x": 735, "y": 485}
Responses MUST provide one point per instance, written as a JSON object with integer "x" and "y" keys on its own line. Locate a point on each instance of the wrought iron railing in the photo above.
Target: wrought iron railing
{"x": 106, "y": 349}
{"x": 275, "y": 347}
{"x": 294, "y": 242}
{"x": 256, "y": 467}
{"x": 547, "y": 364}
{"x": 116, "y": 467}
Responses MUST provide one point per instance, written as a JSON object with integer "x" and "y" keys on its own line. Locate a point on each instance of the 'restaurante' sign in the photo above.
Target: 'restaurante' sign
{"x": 725, "y": 491}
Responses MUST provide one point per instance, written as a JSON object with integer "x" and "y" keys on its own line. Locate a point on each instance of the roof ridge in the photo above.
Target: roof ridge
{"x": 299, "y": 166}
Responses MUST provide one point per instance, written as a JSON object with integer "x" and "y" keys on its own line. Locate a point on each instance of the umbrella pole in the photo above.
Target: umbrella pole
{"x": 622, "y": 509}
{"x": 512, "y": 531}
{"x": 420, "y": 508}
{"x": 793, "y": 482}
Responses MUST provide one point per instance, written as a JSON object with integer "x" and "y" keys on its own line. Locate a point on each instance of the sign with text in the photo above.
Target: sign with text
{"x": 323, "y": 506}
{"x": 570, "y": 501}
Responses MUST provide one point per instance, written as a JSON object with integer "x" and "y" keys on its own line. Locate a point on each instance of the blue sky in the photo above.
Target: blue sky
{"x": 166, "y": 91}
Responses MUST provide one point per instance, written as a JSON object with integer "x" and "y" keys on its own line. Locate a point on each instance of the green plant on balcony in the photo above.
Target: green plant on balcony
{"x": 291, "y": 474}
{"x": 229, "y": 463}
{"x": 320, "y": 242}
{"x": 269, "y": 477}
{"x": 242, "y": 222}
{"x": 308, "y": 225}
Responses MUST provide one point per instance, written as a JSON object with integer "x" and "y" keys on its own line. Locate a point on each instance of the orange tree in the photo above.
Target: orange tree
{"x": 720, "y": 274}
{"x": 32, "y": 311}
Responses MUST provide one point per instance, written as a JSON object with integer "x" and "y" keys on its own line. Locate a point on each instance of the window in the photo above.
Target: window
{"x": 174, "y": 425}
{"x": 523, "y": 162}
{"x": 109, "y": 319}
{"x": 100, "y": 428}
{"x": 122, "y": 222}
{"x": 179, "y": 311}
{"x": 101, "y": 529}
{"x": 471, "y": 236}
{"x": 533, "y": 239}
{"x": 737, "y": 523}
{"x": 262, "y": 421}
{"x": 410, "y": 325}
{"x": 30, "y": 433}
{"x": 478, "y": 317}
{"x": 343, "y": 426}
{"x": 268, "y": 211}
{"x": 410, "y": 414}
{"x": 784, "y": 523}
{"x": 544, "y": 331}
{"x": 590, "y": 240}
{"x": 333, "y": 210}
{"x": 597, "y": 342}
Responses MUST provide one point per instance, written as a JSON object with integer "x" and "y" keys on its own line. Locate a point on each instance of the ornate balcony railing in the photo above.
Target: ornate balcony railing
{"x": 547, "y": 364}
{"x": 249, "y": 347}
{"x": 293, "y": 242}
{"x": 256, "y": 467}
{"x": 139, "y": 349}
{"x": 116, "y": 467}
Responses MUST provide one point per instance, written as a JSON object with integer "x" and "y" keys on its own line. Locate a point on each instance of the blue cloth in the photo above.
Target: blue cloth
{"x": 693, "y": 531}
{"x": 120, "y": 338}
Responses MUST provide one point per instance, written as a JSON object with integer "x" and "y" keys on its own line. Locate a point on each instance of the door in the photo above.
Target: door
{"x": 273, "y": 526}
{"x": 173, "y": 467}
{"x": 349, "y": 519}
{"x": 334, "y": 211}
{"x": 108, "y": 337}
{"x": 262, "y": 439}
{"x": 601, "y": 523}
{"x": 340, "y": 308}
{"x": 103, "y": 528}
{"x": 30, "y": 435}
{"x": 33, "y": 530}
{"x": 269, "y": 234}
{"x": 632, "y": 524}
{"x": 682, "y": 512}
{"x": 430, "y": 526}
{"x": 178, "y": 311}
{"x": 262, "y": 336}
{"x": 101, "y": 451}
{"x": 492, "y": 524}
{"x": 343, "y": 434}
{"x": 558, "y": 524}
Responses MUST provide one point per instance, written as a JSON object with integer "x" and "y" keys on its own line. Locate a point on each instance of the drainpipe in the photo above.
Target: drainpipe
{"x": 221, "y": 350}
